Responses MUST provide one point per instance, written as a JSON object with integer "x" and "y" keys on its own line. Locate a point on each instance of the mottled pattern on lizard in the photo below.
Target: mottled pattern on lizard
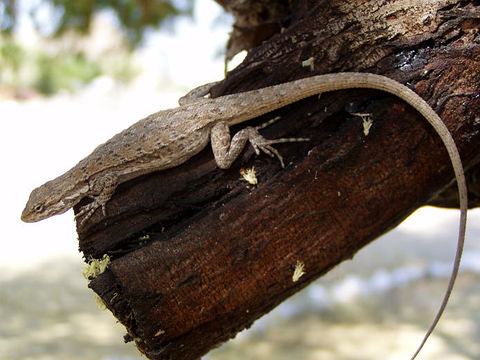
{"x": 169, "y": 138}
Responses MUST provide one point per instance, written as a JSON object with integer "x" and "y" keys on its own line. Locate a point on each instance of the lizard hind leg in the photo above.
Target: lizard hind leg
{"x": 226, "y": 149}
{"x": 102, "y": 190}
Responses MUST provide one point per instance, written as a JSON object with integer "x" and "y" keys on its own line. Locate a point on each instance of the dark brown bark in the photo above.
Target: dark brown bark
{"x": 198, "y": 255}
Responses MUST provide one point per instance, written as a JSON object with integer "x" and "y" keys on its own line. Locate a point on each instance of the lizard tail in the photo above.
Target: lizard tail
{"x": 277, "y": 96}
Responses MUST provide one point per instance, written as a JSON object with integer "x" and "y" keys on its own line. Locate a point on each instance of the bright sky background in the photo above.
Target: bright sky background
{"x": 42, "y": 138}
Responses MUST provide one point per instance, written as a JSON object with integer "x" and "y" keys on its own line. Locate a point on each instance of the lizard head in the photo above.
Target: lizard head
{"x": 52, "y": 198}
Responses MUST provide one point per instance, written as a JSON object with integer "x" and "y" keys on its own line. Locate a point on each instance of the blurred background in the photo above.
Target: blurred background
{"x": 72, "y": 74}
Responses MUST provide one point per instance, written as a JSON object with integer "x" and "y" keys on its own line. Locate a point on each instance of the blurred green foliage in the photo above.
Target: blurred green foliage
{"x": 46, "y": 73}
{"x": 11, "y": 56}
{"x": 134, "y": 16}
{"x": 64, "y": 71}
{"x": 7, "y": 15}
{"x": 55, "y": 68}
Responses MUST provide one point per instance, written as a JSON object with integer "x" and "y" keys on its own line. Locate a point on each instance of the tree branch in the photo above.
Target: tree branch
{"x": 198, "y": 254}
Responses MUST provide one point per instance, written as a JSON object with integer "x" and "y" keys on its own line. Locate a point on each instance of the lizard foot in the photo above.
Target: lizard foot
{"x": 104, "y": 188}
{"x": 267, "y": 123}
{"x": 260, "y": 143}
{"x": 88, "y": 211}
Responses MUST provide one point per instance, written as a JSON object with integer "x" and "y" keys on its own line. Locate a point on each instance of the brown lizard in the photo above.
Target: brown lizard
{"x": 169, "y": 138}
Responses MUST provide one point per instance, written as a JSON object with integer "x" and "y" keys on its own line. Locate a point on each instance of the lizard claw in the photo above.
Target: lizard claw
{"x": 270, "y": 151}
{"x": 88, "y": 210}
{"x": 105, "y": 188}
{"x": 104, "y": 209}
{"x": 267, "y": 123}
{"x": 260, "y": 143}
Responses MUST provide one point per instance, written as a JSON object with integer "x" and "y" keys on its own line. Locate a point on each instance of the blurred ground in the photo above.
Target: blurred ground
{"x": 385, "y": 327}
{"x": 48, "y": 313}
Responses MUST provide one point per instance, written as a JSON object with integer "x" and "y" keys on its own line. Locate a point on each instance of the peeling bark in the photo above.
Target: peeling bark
{"x": 198, "y": 255}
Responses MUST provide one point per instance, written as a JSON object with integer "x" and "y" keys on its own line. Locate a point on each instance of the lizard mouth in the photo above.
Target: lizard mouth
{"x": 27, "y": 216}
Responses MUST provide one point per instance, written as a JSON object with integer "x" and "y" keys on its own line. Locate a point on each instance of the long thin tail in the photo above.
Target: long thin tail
{"x": 268, "y": 99}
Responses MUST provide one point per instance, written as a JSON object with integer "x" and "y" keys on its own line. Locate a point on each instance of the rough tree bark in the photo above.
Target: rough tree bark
{"x": 197, "y": 255}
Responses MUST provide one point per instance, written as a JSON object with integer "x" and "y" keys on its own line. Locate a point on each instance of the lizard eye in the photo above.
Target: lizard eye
{"x": 38, "y": 208}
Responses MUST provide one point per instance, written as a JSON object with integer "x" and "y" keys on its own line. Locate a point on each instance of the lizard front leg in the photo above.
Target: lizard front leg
{"x": 102, "y": 190}
{"x": 226, "y": 149}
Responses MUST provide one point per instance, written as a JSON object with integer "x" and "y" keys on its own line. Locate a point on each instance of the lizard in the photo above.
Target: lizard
{"x": 168, "y": 138}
